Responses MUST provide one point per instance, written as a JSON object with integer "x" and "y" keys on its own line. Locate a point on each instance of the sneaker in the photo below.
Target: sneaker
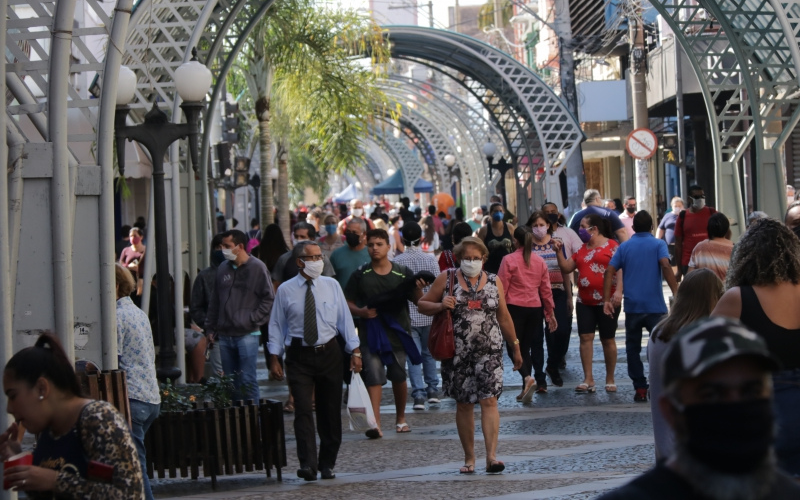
{"x": 419, "y": 403}
{"x": 640, "y": 396}
{"x": 555, "y": 377}
{"x": 433, "y": 398}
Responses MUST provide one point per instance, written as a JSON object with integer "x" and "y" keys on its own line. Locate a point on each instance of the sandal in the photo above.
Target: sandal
{"x": 611, "y": 387}
{"x": 373, "y": 434}
{"x": 584, "y": 388}
{"x": 495, "y": 466}
{"x": 288, "y": 407}
{"x": 527, "y": 393}
{"x": 467, "y": 469}
{"x": 403, "y": 428}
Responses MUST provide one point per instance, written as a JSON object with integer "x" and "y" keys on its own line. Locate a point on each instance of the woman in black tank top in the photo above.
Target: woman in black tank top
{"x": 766, "y": 263}
{"x": 499, "y": 246}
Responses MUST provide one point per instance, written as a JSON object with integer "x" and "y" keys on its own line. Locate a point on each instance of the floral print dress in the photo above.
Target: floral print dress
{"x": 476, "y": 371}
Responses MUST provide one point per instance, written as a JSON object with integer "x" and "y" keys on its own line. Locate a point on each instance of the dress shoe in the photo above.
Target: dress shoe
{"x": 327, "y": 473}
{"x": 306, "y": 473}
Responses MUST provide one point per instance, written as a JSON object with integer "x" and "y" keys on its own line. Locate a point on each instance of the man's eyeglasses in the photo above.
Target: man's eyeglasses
{"x": 307, "y": 258}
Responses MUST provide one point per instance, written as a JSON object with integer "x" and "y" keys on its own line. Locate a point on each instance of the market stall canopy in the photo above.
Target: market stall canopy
{"x": 394, "y": 185}
{"x": 346, "y": 195}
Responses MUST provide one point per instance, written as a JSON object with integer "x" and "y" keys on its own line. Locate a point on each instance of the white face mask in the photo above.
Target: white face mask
{"x": 228, "y": 253}
{"x": 471, "y": 268}
{"x": 313, "y": 268}
{"x": 699, "y": 203}
{"x": 358, "y": 212}
{"x": 400, "y": 224}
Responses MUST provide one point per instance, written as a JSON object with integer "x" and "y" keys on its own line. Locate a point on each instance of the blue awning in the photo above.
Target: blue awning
{"x": 345, "y": 196}
{"x": 423, "y": 186}
{"x": 392, "y": 185}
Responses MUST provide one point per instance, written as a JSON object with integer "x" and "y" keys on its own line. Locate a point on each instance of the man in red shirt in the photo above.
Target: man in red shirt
{"x": 691, "y": 228}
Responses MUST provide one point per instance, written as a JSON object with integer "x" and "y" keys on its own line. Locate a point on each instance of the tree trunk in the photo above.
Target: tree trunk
{"x": 265, "y": 146}
{"x": 283, "y": 191}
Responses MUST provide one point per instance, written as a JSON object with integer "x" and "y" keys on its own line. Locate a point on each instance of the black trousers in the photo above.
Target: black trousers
{"x": 317, "y": 371}
{"x": 558, "y": 340}
{"x": 528, "y": 323}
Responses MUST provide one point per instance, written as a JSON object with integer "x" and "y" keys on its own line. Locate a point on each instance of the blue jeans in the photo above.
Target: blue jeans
{"x": 634, "y": 323}
{"x": 787, "y": 407}
{"x": 142, "y": 416}
{"x": 239, "y": 358}
{"x": 428, "y": 366}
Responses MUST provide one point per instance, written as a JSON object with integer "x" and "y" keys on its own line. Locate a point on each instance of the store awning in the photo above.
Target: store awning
{"x": 423, "y": 186}
{"x": 392, "y": 185}
{"x": 346, "y": 195}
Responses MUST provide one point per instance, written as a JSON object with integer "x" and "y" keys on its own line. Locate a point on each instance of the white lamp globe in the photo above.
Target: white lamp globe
{"x": 193, "y": 80}
{"x": 449, "y": 160}
{"x": 126, "y": 86}
{"x": 489, "y": 149}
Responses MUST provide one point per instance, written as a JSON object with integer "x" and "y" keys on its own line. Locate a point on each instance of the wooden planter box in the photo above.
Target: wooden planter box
{"x": 246, "y": 437}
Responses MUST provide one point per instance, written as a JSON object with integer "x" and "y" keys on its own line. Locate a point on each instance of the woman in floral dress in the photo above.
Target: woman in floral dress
{"x": 480, "y": 323}
{"x": 591, "y": 262}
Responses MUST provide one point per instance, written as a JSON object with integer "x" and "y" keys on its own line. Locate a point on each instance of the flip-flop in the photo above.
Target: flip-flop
{"x": 527, "y": 394}
{"x": 373, "y": 434}
{"x": 467, "y": 469}
{"x": 403, "y": 428}
{"x": 611, "y": 387}
{"x": 495, "y": 467}
{"x": 584, "y": 388}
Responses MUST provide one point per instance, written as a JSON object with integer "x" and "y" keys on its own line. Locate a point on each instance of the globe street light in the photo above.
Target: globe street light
{"x": 156, "y": 134}
{"x": 502, "y": 166}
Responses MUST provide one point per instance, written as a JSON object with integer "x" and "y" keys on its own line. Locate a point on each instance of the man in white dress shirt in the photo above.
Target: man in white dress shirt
{"x": 309, "y": 311}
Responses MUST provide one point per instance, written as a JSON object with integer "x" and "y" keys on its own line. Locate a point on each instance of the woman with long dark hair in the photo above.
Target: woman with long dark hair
{"x": 529, "y": 300}
{"x": 763, "y": 284}
{"x": 72, "y": 432}
{"x": 271, "y": 246}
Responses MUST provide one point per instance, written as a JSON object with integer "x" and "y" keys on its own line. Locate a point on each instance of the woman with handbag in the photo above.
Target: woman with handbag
{"x": 480, "y": 323}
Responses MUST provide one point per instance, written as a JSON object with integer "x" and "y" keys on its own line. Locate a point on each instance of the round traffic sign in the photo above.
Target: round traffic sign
{"x": 641, "y": 143}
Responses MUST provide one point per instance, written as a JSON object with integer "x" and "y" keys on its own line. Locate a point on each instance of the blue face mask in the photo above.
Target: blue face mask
{"x": 497, "y": 216}
{"x": 330, "y": 228}
{"x": 584, "y": 235}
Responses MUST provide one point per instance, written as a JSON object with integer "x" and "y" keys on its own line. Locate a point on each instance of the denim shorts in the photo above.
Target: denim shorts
{"x": 376, "y": 373}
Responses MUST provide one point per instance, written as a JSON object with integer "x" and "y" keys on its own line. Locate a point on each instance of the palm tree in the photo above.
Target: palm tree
{"x": 309, "y": 86}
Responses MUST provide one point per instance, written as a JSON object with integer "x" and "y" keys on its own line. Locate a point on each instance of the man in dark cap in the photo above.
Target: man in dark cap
{"x": 718, "y": 401}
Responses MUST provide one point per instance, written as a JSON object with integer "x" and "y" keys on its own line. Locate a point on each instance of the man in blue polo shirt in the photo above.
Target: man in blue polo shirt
{"x": 643, "y": 260}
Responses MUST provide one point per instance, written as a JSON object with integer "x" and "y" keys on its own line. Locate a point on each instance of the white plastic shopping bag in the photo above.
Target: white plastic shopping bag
{"x": 359, "y": 406}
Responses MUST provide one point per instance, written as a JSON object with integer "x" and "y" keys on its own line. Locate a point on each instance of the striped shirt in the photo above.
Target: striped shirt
{"x": 417, "y": 260}
{"x": 714, "y": 255}
{"x": 548, "y": 253}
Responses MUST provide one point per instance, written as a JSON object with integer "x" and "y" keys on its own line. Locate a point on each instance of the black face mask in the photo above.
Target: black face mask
{"x": 552, "y": 218}
{"x": 217, "y": 258}
{"x": 732, "y": 438}
{"x": 631, "y": 210}
{"x": 352, "y": 239}
{"x": 796, "y": 231}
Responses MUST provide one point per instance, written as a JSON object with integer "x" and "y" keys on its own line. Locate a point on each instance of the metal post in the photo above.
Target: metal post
{"x": 105, "y": 158}
{"x": 6, "y": 307}
{"x": 681, "y": 117}
{"x": 430, "y": 13}
{"x": 60, "y": 194}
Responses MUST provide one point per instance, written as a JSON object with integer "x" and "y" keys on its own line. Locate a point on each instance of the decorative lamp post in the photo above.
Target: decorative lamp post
{"x": 156, "y": 134}
{"x": 502, "y": 166}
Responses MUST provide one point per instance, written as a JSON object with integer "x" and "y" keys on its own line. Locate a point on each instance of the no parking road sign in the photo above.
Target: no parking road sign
{"x": 641, "y": 143}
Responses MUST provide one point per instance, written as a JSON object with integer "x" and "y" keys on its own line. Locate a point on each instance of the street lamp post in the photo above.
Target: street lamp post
{"x": 156, "y": 134}
{"x": 502, "y": 166}
{"x": 450, "y": 162}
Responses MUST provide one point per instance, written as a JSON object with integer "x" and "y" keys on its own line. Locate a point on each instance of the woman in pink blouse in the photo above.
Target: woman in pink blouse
{"x": 523, "y": 272}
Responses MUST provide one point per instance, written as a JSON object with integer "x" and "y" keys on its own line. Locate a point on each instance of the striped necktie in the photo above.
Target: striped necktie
{"x": 310, "y": 334}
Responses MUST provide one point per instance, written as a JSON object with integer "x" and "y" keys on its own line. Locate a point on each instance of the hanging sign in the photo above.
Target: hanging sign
{"x": 641, "y": 144}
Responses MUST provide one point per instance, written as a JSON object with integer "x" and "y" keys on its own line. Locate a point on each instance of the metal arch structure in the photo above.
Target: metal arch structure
{"x": 536, "y": 123}
{"x": 436, "y": 131}
{"x": 403, "y": 157}
{"x": 469, "y": 128}
{"x": 745, "y": 57}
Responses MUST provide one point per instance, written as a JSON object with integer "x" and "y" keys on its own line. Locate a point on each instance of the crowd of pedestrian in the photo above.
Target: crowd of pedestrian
{"x": 355, "y": 292}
